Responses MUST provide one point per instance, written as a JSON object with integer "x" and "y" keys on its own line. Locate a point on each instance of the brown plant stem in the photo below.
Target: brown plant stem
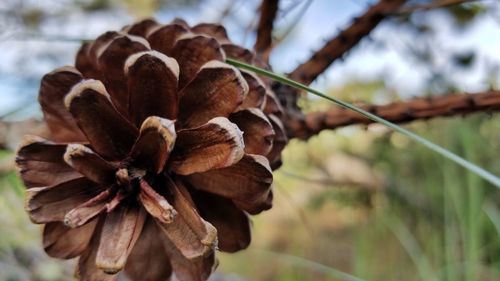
{"x": 331, "y": 51}
{"x": 396, "y": 112}
{"x": 347, "y": 39}
{"x": 268, "y": 11}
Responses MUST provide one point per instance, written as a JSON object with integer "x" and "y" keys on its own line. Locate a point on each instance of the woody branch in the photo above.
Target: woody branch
{"x": 331, "y": 51}
{"x": 343, "y": 42}
{"x": 268, "y": 11}
{"x": 396, "y": 112}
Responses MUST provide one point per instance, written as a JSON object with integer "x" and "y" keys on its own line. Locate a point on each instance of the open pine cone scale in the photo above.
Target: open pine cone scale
{"x": 159, "y": 152}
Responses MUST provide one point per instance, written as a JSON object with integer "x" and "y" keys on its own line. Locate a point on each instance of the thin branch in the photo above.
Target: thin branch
{"x": 23, "y": 105}
{"x": 228, "y": 9}
{"x": 397, "y": 112}
{"x": 268, "y": 11}
{"x": 433, "y": 5}
{"x": 346, "y": 40}
{"x": 280, "y": 38}
{"x": 46, "y": 38}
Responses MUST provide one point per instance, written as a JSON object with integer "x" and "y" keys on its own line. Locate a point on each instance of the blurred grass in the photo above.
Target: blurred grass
{"x": 453, "y": 237}
{"x": 21, "y": 254}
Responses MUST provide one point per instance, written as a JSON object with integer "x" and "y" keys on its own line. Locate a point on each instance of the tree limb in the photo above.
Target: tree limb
{"x": 268, "y": 11}
{"x": 347, "y": 39}
{"x": 396, "y": 112}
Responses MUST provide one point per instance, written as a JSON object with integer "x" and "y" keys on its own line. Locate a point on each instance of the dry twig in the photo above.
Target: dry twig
{"x": 347, "y": 39}
{"x": 268, "y": 11}
{"x": 331, "y": 51}
{"x": 396, "y": 112}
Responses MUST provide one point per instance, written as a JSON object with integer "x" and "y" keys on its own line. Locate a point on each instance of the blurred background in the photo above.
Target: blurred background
{"x": 357, "y": 203}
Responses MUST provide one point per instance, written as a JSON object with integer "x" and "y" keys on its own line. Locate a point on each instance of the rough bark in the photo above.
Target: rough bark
{"x": 396, "y": 112}
{"x": 268, "y": 11}
{"x": 334, "y": 49}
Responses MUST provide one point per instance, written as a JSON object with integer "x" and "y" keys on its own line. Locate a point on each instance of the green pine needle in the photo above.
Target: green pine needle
{"x": 436, "y": 148}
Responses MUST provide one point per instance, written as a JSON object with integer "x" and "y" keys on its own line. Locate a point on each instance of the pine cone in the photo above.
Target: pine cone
{"x": 158, "y": 152}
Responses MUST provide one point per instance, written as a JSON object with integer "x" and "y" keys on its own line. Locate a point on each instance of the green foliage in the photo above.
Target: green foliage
{"x": 465, "y": 14}
{"x": 94, "y": 5}
{"x": 351, "y": 198}
{"x": 444, "y": 228}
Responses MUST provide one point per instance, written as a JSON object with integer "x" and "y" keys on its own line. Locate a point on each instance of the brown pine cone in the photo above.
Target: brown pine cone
{"x": 159, "y": 151}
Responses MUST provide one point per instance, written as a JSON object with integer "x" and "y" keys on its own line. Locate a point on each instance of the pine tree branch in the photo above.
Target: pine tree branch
{"x": 333, "y": 50}
{"x": 396, "y": 112}
{"x": 342, "y": 43}
{"x": 268, "y": 11}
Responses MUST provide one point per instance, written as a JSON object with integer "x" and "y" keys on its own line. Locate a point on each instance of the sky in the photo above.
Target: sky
{"x": 23, "y": 63}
